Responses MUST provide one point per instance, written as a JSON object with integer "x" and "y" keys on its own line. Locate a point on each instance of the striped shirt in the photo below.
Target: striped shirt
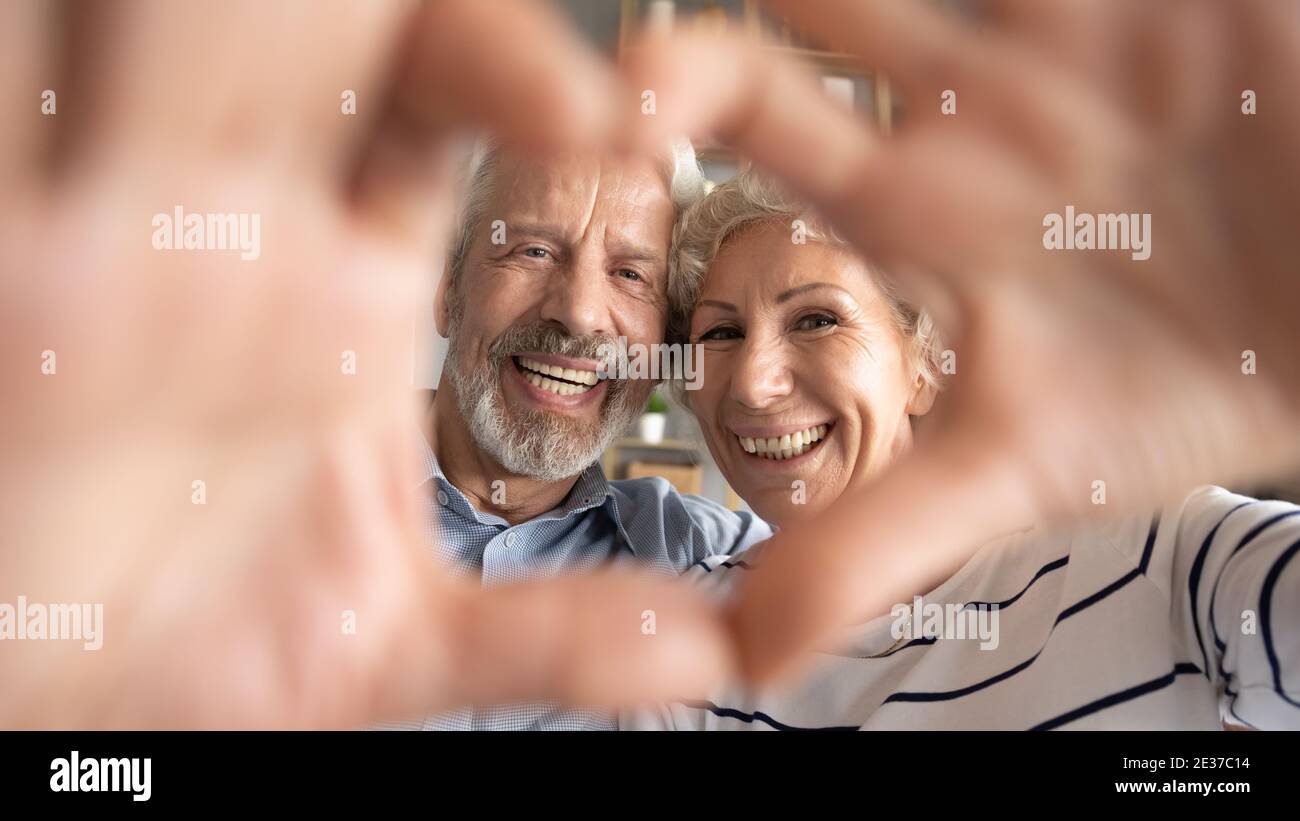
{"x": 1186, "y": 620}
{"x": 641, "y": 521}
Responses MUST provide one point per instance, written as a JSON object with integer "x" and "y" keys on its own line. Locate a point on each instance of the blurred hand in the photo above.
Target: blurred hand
{"x": 182, "y": 440}
{"x": 1072, "y": 366}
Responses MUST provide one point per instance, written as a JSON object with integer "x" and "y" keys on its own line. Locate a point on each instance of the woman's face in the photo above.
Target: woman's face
{"x": 799, "y": 345}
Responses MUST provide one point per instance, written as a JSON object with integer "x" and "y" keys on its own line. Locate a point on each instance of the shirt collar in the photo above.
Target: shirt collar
{"x": 591, "y": 490}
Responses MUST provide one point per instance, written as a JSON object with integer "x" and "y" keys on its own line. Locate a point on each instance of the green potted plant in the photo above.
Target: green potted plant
{"x": 653, "y": 419}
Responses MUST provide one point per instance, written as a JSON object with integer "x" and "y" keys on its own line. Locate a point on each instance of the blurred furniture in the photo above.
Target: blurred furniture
{"x": 666, "y": 452}
{"x": 685, "y": 478}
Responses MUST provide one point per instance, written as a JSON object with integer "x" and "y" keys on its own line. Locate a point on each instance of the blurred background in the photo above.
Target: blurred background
{"x": 667, "y": 441}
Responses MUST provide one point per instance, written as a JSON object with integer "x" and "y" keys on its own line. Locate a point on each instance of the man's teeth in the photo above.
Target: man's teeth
{"x": 784, "y": 447}
{"x": 538, "y": 372}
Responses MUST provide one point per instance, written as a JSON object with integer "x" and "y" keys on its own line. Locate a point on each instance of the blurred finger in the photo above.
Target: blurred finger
{"x": 1056, "y": 27}
{"x": 891, "y": 197}
{"x": 770, "y": 108}
{"x": 1017, "y": 92}
{"x": 1107, "y": 43}
{"x": 899, "y": 538}
{"x": 207, "y": 81}
{"x": 511, "y": 66}
{"x": 27, "y": 63}
{"x": 915, "y": 43}
{"x": 606, "y": 640}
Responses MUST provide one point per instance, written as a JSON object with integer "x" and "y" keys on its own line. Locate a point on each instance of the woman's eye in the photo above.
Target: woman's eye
{"x": 815, "y": 322}
{"x": 536, "y": 253}
{"x": 720, "y": 334}
{"x": 629, "y": 274}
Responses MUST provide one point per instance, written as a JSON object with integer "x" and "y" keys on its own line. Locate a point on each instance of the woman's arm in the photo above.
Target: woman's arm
{"x": 1234, "y": 588}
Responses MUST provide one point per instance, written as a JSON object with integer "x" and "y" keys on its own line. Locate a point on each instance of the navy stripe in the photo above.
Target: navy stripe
{"x": 1232, "y": 709}
{"x": 1085, "y": 603}
{"x": 965, "y": 691}
{"x": 1194, "y": 585}
{"x": 750, "y": 718}
{"x": 1056, "y": 564}
{"x": 924, "y": 641}
{"x": 1247, "y": 539}
{"x": 1072, "y": 610}
{"x": 1151, "y": 543}
{"x": 741, "y": 563}
{"x": 921, "y": 642}
{"x": 1266, "y": 617}
{"x": 1122, "y": 696}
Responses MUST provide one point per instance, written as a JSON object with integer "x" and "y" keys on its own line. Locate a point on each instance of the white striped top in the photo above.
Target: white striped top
{"x": 1189, "y": 620}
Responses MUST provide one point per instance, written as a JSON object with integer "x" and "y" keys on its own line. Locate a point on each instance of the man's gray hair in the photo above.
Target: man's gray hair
{"x": 678, "y": 163}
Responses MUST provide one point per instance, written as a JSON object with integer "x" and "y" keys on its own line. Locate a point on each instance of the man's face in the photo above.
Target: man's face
{"x": 577, "y": 259}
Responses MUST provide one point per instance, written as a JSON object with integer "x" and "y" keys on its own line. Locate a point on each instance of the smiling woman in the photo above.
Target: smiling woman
{"x": 814, "y": 374}
{"x": 812, "y": 364}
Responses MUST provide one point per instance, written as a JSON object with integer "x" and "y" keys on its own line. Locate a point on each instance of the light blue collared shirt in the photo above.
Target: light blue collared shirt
{"x": 645, "y": 521}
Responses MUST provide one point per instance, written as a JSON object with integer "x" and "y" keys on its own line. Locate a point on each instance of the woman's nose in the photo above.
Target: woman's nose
{"x": 762, "y": 376}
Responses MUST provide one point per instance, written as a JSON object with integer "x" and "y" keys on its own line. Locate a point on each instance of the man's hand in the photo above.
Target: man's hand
{"x": 216, "y": 445}
{"x": 1073, "y": 367}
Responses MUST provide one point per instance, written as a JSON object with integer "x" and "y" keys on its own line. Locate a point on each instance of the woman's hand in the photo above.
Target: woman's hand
{"x": 1127, "y": 375}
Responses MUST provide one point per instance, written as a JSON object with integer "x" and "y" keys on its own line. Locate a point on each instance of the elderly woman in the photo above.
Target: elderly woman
{"x": 816, "y": 377}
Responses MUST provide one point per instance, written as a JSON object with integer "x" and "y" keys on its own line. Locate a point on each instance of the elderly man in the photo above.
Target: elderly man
{"x": 553, "y": 259}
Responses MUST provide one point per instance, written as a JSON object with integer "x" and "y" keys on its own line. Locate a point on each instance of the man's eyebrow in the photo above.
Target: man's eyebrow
{"x": 541, "y": 230}
{"x": 716, "y": 303}
{"x": 785, "y": 296}
{"x": 636, "y": 253}
{"x": 632, "y": 244}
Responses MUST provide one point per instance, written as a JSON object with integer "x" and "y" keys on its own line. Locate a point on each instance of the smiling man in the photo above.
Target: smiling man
{"x": 555, "y": 262}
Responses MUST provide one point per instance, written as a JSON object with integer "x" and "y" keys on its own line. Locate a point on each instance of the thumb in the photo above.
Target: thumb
{"x": 875, "y": 547}
{"x": 610, "y": 639}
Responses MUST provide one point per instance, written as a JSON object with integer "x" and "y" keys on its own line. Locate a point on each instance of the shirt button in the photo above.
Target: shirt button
{"x": 442, "y": 498}
{"x": 510, "y": 539}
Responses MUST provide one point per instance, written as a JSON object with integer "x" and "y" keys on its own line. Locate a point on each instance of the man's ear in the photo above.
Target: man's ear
{"x": 922, "y": 399}
{"x": 442, "y": 305}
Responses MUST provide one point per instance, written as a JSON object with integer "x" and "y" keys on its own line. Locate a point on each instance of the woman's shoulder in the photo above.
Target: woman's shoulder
{"x": 1172, "y": 540}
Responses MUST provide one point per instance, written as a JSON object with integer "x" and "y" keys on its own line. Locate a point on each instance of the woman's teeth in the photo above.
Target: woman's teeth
{"x": 567, "y": 381}
{"x": 784, "y": 447}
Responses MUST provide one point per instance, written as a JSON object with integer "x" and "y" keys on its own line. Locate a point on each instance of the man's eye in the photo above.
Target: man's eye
{"x": 536, "y": 253}
{"x": 720, "y": 334}
{"x": 815, "y": 322}
{"x": 629, "y": 274}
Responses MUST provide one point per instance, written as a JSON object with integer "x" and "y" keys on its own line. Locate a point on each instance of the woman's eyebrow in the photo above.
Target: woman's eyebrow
{"x": 811, "y": 286}
{"x": 714, "y": 303}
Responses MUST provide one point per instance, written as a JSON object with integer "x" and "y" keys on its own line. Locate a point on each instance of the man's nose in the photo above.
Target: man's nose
{"x": 577, "y": 298}
{"x": 763, "y": 374}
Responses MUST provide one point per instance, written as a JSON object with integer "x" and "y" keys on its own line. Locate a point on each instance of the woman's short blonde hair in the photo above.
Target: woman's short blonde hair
{"x": 751, "y": 199}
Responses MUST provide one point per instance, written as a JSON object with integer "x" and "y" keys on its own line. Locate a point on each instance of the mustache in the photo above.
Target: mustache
{"x": 542, "y": 337}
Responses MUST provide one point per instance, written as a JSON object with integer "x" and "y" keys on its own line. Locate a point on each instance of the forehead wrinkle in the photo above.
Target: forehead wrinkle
{"x": 593, "y": 203}
{"x": 594, "y": 197}
{"x": 542, "y": 193}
